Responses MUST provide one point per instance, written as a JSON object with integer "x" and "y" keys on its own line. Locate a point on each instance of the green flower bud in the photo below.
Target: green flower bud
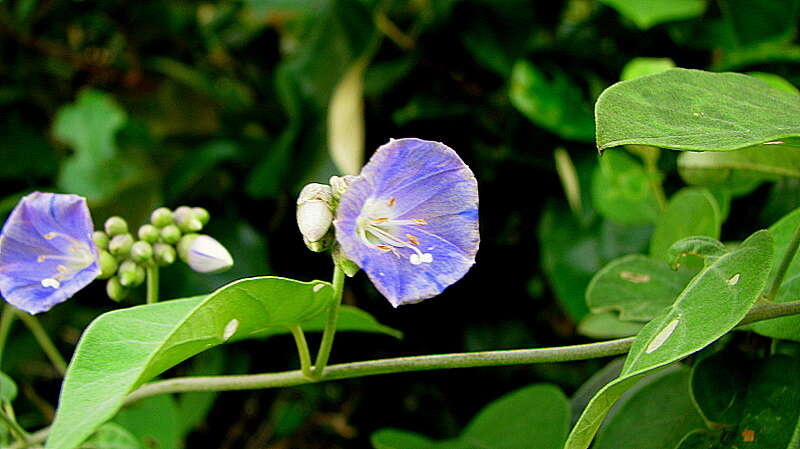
{"x": 108, "y": 265}
{"x": 161, "y": 217}
{"x": 130, "y": 274}
{"x": 100, "y": 239}
{"x": 141, "y": 252}
{"x": 185, "y": 219}
{"x": 115, "y": 290}
{"x": 315, "y": 215}
{"x": 120, "y": 245}
{"x": 170, "y": 234}
{"x": 164, "y": 254}
{"x": 201, "y": 215}
{"x": 204, "y": 254}
{"x": 116, "y": 226}
{"x": 348, "y": 266}
{"x": 148, "y": 233}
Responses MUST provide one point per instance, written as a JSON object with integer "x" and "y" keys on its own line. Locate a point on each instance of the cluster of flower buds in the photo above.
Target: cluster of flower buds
{"x": 170, "y": 234}
{"x": 316, "y": 208}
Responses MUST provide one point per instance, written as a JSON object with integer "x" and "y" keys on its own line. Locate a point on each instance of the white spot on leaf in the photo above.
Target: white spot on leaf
{"x": 230, "y": 329}
{"x": 662, "y": 336}
{"x": 317, "y": 287}
{"x": 734, "y": 279}
{"x": 635, "y": 277}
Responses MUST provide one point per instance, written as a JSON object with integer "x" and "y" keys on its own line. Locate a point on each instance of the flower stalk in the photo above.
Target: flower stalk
{"x": 44, "y": 341}
{"x": 152, "y": 283}
{"x": 786, "y": 261}
{"x": 330, "y": 326}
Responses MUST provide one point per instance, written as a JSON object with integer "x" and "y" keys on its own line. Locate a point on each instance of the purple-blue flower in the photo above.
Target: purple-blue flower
{"x": 410, "y": 219}
{"x": 46, "y": 251}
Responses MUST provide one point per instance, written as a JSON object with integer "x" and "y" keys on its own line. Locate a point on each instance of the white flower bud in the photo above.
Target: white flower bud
{"x": 314, "y": 215}
{"x": 339, "y": 185}
{"x": 204, "y": 254}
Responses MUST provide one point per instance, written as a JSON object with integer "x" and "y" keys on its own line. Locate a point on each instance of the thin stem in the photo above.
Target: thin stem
{"x": 6, "y": 320}
{"x": 44, "y": 341}
{"x": 788, "y": 256}
{"x": 152, "y": 283}
{"x": 302, "y": 350}
{"x": 19, "y": 433}
{"x": 654, "y": 176}
{"x": 330, "y": 326}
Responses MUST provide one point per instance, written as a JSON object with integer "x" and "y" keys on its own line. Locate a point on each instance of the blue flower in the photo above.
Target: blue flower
{"x": 46, "y": 251}
{"x": 410, "y": 219}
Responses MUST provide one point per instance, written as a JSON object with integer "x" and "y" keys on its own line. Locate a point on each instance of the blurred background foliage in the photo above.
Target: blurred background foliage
{"x": 235, "y": 105}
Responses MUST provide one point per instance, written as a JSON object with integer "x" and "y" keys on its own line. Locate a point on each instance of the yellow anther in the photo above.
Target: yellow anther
{"x": 412, "y": 239}
{"x": 50, "y": 235}
{"x": 392, "y": 201}
{"x": 419, "y": 221}
{"x": 380, "y": 220}
{"x": 41, "y": 258}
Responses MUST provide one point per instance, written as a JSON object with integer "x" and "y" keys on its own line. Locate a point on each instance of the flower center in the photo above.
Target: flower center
{"x": 378, "y": 228}
{"x": 79, "y": 256}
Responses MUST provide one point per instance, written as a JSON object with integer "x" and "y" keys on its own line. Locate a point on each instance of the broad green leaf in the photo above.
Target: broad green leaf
{"x": 718, "y": 386}
{"x": 346, "y": 120}
{"x": 694, "y": 110}
{"x": 556, "y": 104}
{"x": 785, "y": 327}
{"x": 622, "y": 190}
{"x": 645, "y": 13}
{"x": 711, "y": 305}
{"x": 638, "y": 287}
{"x": 655, "y": 426}
{"x": 8, "y": 388}
{"x": 122, "y": 349}
{"x": 533, "y": 416}
{"x": 637, "y": 67}
{"x": 752, "y": 22}
{"x": 607, "y": 325}
{"x": 690, "y": 212}
{"x": 154, "y": 421}
{"x": 112, "y": 436}
{"x": 741, "y": 171}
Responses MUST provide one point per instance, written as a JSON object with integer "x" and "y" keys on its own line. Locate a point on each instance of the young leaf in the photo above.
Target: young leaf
{"x": 695, "y": 110}
{"x": 122, "y": 349}
{"x": 705, "y": 248}
{"x": 637, "y": 67}
{"x": 661, "y": 426}
{"x": 154, "y": 421}
{"x": 690, "y": 212}
{"x": 112, "y": 436}
{"x": 533, "y": 416}
{"x": 637, "y": 286}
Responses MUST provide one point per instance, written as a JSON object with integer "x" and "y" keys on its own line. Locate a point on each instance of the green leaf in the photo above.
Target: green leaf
{"x": 646, "y": 14}
{"x": 776, "y": 81}
{"x": 154, "y": 421}
{"x": 537, "y": 414}
{"x": 8, "y": 388}
{"x": 121, "y": 350}
{"x": 719, "y": 384}
{"x": 711, "y": 305}
{"x": 112, "y": 436}
{"x": 607, "y": 325}
{"x": 636, "y": 286}
{"x": 660, "y": 426}
{"x": 694, "y": 110}
{"x": 700, "y": 247}
{"x": 193, "y": 407}
{"x": 622, "y": 190}
{"x": 690, "y": 212}
{"x": 637, "y": 67}
{"x": 754, "y": 22}
{"x": 741, "y": 171}
{"x": 556, "y": 104}
{"x": 700, "y": 315}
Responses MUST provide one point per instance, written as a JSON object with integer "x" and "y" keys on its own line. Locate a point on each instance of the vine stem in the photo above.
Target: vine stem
{"x": 324, "y": 352}
{"x": 44, "y": 341}
{"x": 302, "y": 350}
{"x": 152, "y": 283}
{"x": 786, "y": 261}
{"x": 6, "y": 320}
{"x": 759, "y": 312}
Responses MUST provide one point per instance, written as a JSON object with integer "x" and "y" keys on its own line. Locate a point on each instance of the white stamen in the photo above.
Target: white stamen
{"x": 50, "y": 282}
{"x": 417, "y": 259}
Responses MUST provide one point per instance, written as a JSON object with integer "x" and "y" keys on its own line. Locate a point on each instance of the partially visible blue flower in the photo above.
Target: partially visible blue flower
{"x": 46, "y": 251}
{"x": 410, "y": 219}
